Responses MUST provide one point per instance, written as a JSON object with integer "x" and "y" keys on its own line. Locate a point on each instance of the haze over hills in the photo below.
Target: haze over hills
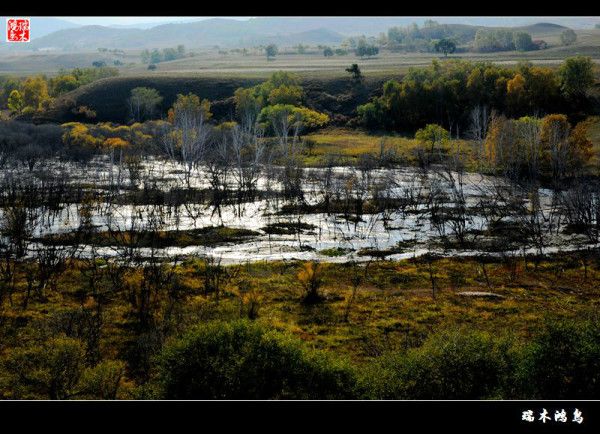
{"x": 228, "y": 32}
{"x": 218, "y": 31}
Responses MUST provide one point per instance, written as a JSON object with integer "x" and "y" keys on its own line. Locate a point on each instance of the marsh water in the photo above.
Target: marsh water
{"x": 310, "y": 232}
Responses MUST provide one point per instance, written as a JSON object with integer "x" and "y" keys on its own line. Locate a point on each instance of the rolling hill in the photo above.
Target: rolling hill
{"x": 193, "y": 34}
{"x": 108, "y": 97}
{"x": 284, "y": 31}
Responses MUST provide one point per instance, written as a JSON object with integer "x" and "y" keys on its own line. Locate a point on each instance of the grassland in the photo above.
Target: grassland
{"x": 347, "y": 146}
{"x": 393, "y": 305}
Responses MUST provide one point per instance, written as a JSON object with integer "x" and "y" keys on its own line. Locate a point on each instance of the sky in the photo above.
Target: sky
{"x": 149, "y": 21}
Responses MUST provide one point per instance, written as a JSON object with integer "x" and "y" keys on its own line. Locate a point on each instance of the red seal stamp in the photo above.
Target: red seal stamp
{"x": 17, "y": 30}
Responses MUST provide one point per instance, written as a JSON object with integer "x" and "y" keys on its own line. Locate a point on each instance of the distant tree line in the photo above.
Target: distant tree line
{"x": 415, "y": 38}
{"x": 490, "y": 40}
{"x": 166, "y": 54}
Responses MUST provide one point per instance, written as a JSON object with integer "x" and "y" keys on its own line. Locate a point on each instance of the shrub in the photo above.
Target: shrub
{"x": 103, "y": 381}
{"x": 562, "y": 362}
{"x": 244, "y": 360}
{"x": 449, "y": 365}
{"x": 50, "y": 370}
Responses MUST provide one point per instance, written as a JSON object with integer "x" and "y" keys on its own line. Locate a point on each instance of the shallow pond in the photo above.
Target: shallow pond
{"x": 402, "y": 231}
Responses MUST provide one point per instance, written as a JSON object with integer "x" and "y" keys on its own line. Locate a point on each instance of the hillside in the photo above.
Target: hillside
{"x": 108, "y": 97}
{"x": 542, "y": 28}
{"x": 257, "y": 31}
{"x": 87, "y": 37}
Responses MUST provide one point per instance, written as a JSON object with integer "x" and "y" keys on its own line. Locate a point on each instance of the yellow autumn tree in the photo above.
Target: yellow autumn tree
{"x": 515, "y": 93}
{"x": 78, "y": 135}
{"x": 35, "y": 92}
{"x": 555, "y": 131}
{"x": 581, "y": 146}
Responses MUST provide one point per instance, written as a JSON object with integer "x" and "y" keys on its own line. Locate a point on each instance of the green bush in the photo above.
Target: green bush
{"x": 449, "y": 365}
{"x": 50, "y": 370}
{"x": 562, "y": 362}
{"x": 244, "y": 360}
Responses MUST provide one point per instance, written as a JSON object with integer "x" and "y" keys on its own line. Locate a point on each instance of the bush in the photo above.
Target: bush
{"x": 449, "y": 365}
{"x": 50, "y": 370}
{"x": 562, "y": 362}
{"x": 103, "y": 381}
{"x": 244, "y": 360}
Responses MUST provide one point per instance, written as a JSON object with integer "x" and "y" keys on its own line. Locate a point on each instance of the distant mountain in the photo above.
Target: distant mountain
{"x": 313, "y": 37}
{"x": 284, "y": 31}
{"x": 86, "y": 37}
{"x": 218, "y": 31}
{"x": 148, "y": 25}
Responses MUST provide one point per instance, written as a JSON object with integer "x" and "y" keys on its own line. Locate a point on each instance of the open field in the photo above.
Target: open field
{"x": 214, "y": 63}
{"x": 349, "y": 145}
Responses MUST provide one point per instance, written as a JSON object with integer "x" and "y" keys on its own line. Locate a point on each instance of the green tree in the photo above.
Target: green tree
{"x": 271, "y": 51}
{"x": 247, "y": 104}
{"x": 490, "y": 40}
{"x": 355, "y": 72}
{"x": 145, "y": 56}
{"x": 281, "y": 88}
{"x": 143, "y": 103}
{"x": 62, "y": 84}
{"x": 7, "y": 85}
{"x": 432, "y": 135}
{"x": 576, "y": 75}
{"x": 365, "y": 49}
{"x": 103, "y": 381}
{"x": 522, "y": 41}
{"x": 327, "y": 52}
{"x": 568, "y": 37}
{"x": 446, "y": 46}
{"x": 156, "y": 56}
